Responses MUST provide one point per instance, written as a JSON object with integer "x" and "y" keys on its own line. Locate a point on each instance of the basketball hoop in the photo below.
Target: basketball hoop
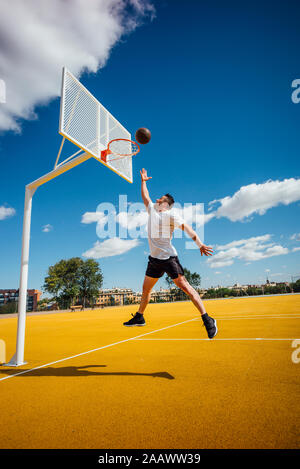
{"x": 119, "y": 148}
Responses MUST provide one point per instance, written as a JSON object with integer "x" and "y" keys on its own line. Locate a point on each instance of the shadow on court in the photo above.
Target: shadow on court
{"x": 80, "y": 371}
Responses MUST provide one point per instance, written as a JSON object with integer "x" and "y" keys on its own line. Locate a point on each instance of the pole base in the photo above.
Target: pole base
{"x": 12, "y": 363}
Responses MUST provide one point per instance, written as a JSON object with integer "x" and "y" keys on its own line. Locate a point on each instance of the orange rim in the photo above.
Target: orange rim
{"x": 108, "y": 150}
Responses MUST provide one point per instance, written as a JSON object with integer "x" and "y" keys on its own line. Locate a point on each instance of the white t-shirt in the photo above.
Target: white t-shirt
{"x": 160, "y": 231}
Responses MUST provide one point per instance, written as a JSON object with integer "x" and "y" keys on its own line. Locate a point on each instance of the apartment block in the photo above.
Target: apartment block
{"x": 9, "y": 295}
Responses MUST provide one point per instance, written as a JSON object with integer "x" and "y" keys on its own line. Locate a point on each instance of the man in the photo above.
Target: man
{"x": 163, "y": 256}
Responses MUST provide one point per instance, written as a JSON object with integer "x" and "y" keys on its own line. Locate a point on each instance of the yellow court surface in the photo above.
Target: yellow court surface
{"x": 90, "y": 382}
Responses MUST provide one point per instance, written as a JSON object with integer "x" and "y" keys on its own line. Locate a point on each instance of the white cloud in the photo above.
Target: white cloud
{"x": 295, "y": 249}
{"x": 132, "y": 220}
{"x": 47, "y": 228}
{"x": 39, "y": 37}
{"x": 295, "y": 237}
{"x": 256, "y": 198}
{"x": 92, "y": 217}
{"x": 140, "y": 5}
{"x": 254, "y": 240}
{"x": 252, "y": 249}
{"x": 110, "y": 247}
{"x": 218, "y": 262}
{"x": 6, "y": 212}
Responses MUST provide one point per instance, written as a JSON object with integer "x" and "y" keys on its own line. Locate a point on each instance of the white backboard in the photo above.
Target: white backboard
{"x": 89, "y": 125}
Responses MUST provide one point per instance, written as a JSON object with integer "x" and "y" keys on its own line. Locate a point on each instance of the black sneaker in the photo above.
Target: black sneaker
{"x": 137, "y": 320}
{"x": 210, "y": 325}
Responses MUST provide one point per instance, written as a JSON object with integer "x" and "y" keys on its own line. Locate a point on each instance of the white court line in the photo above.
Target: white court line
{"x": 254, "y": 317}
{"x": 265, "y": 314}
{"x": 94, "y": 350}
{"x": 225, "y": 338}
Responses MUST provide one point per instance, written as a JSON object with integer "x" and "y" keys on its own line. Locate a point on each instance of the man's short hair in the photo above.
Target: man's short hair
{"x": 170, "y": 199}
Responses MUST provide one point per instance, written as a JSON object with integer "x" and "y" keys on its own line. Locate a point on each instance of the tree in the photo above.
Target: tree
{"x": 9, "y": 307}
{"x": 128, "y": 301}
{"x": 90, "y": 281}
{"x": 296, "y": 286}
{"x": 63, "y": 281}
{"x": 169, "y": 282}
{"x": 71, "y": 279}
{"x": 42, "y": 305}
{"x": 210, "y": 293}
{"x": 194, "y": 280}
{"x": 111, "y": 301}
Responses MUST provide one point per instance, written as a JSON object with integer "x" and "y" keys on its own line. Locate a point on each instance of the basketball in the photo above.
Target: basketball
{"x": 143, "y": 135}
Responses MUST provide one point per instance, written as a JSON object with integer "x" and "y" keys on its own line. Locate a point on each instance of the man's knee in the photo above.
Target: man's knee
{"x": 182, "y": 283}
{"x": 186, "y": 287}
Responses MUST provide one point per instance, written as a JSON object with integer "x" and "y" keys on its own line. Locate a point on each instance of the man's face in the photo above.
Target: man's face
{"x": 162, "y": 203}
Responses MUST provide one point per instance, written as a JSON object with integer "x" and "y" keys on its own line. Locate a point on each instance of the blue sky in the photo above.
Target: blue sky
{"x": 212, "y": 81}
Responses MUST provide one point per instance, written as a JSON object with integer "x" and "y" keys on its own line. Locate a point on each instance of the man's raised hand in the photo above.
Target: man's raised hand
{"x": 144, "y": 175}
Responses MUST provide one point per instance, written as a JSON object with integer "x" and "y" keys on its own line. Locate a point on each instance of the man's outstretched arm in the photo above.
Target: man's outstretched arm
{"x": 145, "y": 193}
{"x": 206, "y": 250}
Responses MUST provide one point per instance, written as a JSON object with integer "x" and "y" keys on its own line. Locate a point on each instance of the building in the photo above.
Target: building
{"x": 237, "y": 287}
{"x": 10, "y": 295}
{"x": 115, "y": 296}
{"x": 125, "y": 296}
{"x": 161, "y": 295}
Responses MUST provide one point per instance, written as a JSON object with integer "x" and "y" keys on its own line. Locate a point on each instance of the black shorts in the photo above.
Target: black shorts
{"x": 157, "y": 267}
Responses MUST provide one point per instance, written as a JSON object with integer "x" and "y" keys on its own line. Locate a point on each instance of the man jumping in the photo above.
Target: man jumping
{"x": 163, "y": 256}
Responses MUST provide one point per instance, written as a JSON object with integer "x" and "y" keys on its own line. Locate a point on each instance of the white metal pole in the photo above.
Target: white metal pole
{"x": 18, "y": 358}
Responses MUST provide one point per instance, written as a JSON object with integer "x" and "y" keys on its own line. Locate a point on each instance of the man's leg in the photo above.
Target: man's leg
{"x": 182, "y": 283}
{"x": 138, "y": 318}
{"x": 209, "y": 323}
{"x": 148, "y": 284}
